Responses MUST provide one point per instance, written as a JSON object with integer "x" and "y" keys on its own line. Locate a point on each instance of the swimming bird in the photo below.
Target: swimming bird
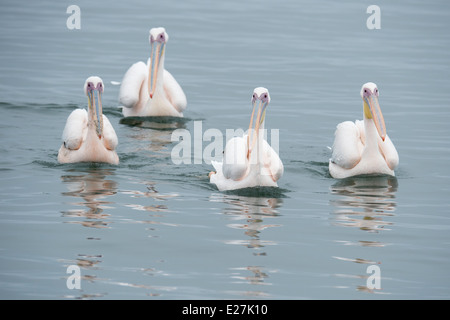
{"x": 363, "y": 147}
{"x": 149, "y": 89}
{"x": 88, "y": 135}
{"x": 249, "y": 161}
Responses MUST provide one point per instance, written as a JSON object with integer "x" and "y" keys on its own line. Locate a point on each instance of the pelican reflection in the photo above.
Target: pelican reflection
{"x": 92, "y": 187}
{"x": 155, "y": 131}
{"x": 251, "y": 214}
{"x": 365, "y": 203}
{"x": 87, "y": 263}
{"x": 253, "y": 274}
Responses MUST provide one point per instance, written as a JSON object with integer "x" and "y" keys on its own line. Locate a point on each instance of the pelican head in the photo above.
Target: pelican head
{"x": 260, "y": 98}
{"x": 369, "y": 94}
{"x": 94, "y": 87}
{"x": 158, "y": 39}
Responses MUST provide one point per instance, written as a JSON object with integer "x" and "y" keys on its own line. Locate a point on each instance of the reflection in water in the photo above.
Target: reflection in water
{"x": 155, "y": 141}
{"x": 364, "y": 203}
{"x": 86, "y": 263}
{"x": 257, "y": 275}
{"x": 157, "y": 131}
{"x": 150, "y": 193}
{"x": 92, "y": 187}
{"x": 157, "y": 123}
{"x": 250, "y": 215}
{"x": 155, "y": 211}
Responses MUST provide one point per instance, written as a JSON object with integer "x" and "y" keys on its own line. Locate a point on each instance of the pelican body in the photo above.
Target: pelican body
{"x": 88, "y": 135}
{"x": 363, "y": 147}
{"x": 149, "y": 89}
{"x": 249, "y": 161}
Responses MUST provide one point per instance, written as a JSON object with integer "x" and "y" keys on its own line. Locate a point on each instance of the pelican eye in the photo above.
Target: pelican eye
{"x": 367, "y": 92}
{"x": 90, "y": 86}
{"x": 161, "y": 37}
{"x": 264, "y": 97}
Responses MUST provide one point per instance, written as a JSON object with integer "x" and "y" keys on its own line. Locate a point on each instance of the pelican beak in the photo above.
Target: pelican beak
{"x": 375, "y": 112}
{"x": 156, "y": 55}
{"x": 97, "y": 108}
{"x": 261, "y": 115}
{"x": 253, "y": 133}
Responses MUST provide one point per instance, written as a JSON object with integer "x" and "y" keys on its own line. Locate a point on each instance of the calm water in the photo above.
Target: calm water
{"x": 150, "y": 229}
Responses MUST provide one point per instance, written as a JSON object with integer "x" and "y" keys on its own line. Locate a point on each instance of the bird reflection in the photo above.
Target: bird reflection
{"x": 91, "y": 185}
{"x": 250, "y": 214}
{"x": 151, "y": 203}
{"x": 157, "y": 123}
{"x": 87, "y": 264}
{"x": 159, "y": 133}
{"x": 255, "y": 274}
{"x": 151, "y": 193}
{"x": 364, "y": 203}
{"x": 153, "y": 140}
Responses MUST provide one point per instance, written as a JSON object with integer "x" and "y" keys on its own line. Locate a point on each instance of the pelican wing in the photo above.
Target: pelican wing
{"x": 347, "y": 146}
{"x": 110, "y": 137}
{"x": 131, "y": 89}
{"x": 272, "y": 161}
{"x": 362, "y": 131}
{"x": 75, "y": 130}
{"x": 387, "y": 147}
{"x": 389, "y": 152}
{"x": 235, "y": 161}
{"x": 217, "y": 165}
{"x": 174, "y": 92}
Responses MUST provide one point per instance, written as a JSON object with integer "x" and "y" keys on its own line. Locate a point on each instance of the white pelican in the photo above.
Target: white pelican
{"x": 88, "y": 135}
{"x": 249, "y": 161}
{"x": 149, "y": 89}
{"x": 363, "y": 147}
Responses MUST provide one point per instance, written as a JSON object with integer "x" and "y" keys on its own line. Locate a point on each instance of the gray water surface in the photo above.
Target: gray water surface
{"x": 151, "y": 229}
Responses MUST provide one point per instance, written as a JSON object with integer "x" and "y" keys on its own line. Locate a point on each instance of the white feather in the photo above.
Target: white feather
{"x": 75, "y": 130}
{"x": 272, "y": 161}
{"x": 109, "y": 134}
{"x": 237, "y": 171}
{"x": 347, "y": 146}
{"x": 132, "y": 83}
{"x": 85, "y": 139}
{"x": 359, "y": 150}
{"x": 235, "y": 162}
{"x": 174, "y": 92}
{"x": 168, "y": 98}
